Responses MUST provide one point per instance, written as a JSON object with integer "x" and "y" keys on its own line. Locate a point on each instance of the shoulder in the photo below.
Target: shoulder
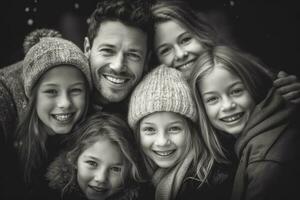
{"x": 11, "y": 86}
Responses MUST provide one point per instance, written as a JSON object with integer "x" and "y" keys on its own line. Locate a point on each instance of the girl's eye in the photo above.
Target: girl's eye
{"x": 148, "y": 130}
{"x": 237, "y": 91}
{"x": 175, "y": 129}
{"x": 211, "y": 100}
{"x": 91, "y": 163}
{"x": 76, "y": 91}
{"x": 51, "y": 92}
{"x": 164, "y": 51}
{"x": 116, "y": 169}
{"x": 185, "y": 40}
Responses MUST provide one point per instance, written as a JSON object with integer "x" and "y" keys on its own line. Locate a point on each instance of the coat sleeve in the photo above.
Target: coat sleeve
{"x": 8, "y": 155}
{"x": 270, "y": 180}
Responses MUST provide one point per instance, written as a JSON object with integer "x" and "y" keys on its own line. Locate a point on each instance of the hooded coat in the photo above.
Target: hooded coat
{"x": 269, "y": 154}
{"x": 60, "y": 173}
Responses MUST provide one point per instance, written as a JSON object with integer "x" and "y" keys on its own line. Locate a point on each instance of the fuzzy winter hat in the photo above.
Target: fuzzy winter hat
{"x": 48, "y": 52}
{"x": 163, "y": 89}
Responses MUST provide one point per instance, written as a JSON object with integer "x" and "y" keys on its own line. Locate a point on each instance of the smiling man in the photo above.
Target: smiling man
{"x": 117, "y": 46}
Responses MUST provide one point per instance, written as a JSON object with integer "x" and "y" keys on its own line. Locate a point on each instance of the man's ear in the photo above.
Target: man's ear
{"x": 87, "y": 47}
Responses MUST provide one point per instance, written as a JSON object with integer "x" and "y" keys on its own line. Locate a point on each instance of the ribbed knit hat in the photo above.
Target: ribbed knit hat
{"x": 163, "y": 89}
{"x": 50, "y": 52}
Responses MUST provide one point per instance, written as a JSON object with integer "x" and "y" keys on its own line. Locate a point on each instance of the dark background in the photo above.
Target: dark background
{"x": 267, "y": 29}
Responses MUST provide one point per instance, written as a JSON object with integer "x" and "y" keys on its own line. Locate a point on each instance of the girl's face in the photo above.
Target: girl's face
{"x": 163, "y": 137}
{"x": 61, "y": 98}
{"x": 177, "y": 47}
{"x": 227, "y": 102}
{"x": 100, "y": 170}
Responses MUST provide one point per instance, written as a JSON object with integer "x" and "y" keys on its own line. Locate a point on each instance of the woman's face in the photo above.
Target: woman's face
{"x": 61, "y": 98}
{"x": 175, "y": 46}
{"x": 100, "y": 170}
{"x": 163, "y": 137}
{"x": 227, "y": 102}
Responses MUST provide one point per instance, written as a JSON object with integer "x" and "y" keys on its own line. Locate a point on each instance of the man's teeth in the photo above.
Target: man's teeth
{"x": 115, "y": 80}
{"x": 164, "y": 153}
{"x": 232, "y": 118}
{"x": 62, "y": 117}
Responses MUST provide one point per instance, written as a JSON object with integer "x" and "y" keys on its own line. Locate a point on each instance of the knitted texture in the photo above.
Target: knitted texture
{"x": 50, "y": 52}
{"x": 163, "y": 89}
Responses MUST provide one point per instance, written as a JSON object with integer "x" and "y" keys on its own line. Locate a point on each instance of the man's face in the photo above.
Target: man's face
{"x": 117, "y": 58}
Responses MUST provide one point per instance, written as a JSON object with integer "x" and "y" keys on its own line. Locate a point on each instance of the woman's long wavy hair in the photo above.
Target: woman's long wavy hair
{"x": 202, "y": 160}
{"x": 182, "y": 13}
{"x": 256, "y": 77}
{"x": 105, "y": 126}
{"x": 32, "y": 134}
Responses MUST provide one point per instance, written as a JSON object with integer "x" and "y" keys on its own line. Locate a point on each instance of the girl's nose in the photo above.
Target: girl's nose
{"x": 228, "y": 104}
{"x": 64, "y": 100}
{"x": 180, "y": 53}
{"x": 101, "y": 175}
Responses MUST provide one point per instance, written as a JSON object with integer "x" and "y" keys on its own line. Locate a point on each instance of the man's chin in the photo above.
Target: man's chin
{"x": 114, "y": 98}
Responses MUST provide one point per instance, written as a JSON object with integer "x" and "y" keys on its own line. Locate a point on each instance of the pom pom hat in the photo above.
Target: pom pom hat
{"x": 50, "y": 52}
{"x": 163, "y": 89}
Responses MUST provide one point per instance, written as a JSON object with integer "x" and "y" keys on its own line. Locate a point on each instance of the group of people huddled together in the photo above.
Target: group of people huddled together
{"x": 156, "y": 107}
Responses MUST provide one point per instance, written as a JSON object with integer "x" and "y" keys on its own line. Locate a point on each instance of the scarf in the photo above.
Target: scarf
{"x": 168, "y": 181}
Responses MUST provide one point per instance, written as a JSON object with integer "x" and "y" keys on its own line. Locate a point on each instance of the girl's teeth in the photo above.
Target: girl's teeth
{"x": 164, "y": 153}
{"x": 115, "y": 80}
{"x": 186, "y": 65}
{"x": 232, "y": 118}
{"x": 62, "y": 117}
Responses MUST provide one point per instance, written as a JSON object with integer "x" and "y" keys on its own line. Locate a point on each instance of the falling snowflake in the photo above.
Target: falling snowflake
{"x": 27, "y": 9}
{"x": 88, "y": 20}
{"x": 231, "y": 3}
{"x": 30, "y": 22}
{"x": 34, "y": 9}
{"x": 76, "y": 5}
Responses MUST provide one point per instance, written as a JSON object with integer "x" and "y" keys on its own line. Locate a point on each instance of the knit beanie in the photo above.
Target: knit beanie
{"x": 48, "y": 53}
{"x": 163, "y": 89}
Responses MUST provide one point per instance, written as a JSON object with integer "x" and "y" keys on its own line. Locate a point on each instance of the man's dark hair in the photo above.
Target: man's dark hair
{"x": 134, "y": 13}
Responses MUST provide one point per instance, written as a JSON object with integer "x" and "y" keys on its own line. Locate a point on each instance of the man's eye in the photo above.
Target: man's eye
{"x": 106, "y": 51}
{"x": 134, "y": 56}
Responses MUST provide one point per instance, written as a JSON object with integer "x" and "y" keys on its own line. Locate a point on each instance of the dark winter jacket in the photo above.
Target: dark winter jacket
{"x": 60, "y": 172}
{"x": 12, "y": 104}
{"x": 217, "y": 187}
{"x": 269, "y": 150}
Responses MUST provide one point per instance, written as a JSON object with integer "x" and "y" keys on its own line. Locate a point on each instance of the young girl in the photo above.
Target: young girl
{"x": 163, "y": 114}
{"x": 101, "y": 163}
{"x": 231, "y": 90}
{"x": 57, "y": 84}
{"x": 181, "y": 35}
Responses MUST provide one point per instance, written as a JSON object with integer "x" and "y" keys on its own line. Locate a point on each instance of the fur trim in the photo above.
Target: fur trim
{"x": 59, "y": 172}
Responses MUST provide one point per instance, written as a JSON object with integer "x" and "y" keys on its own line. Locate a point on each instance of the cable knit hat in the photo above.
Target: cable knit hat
{"x": 163, "y": 89}
{"x": 50, "y": 52}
